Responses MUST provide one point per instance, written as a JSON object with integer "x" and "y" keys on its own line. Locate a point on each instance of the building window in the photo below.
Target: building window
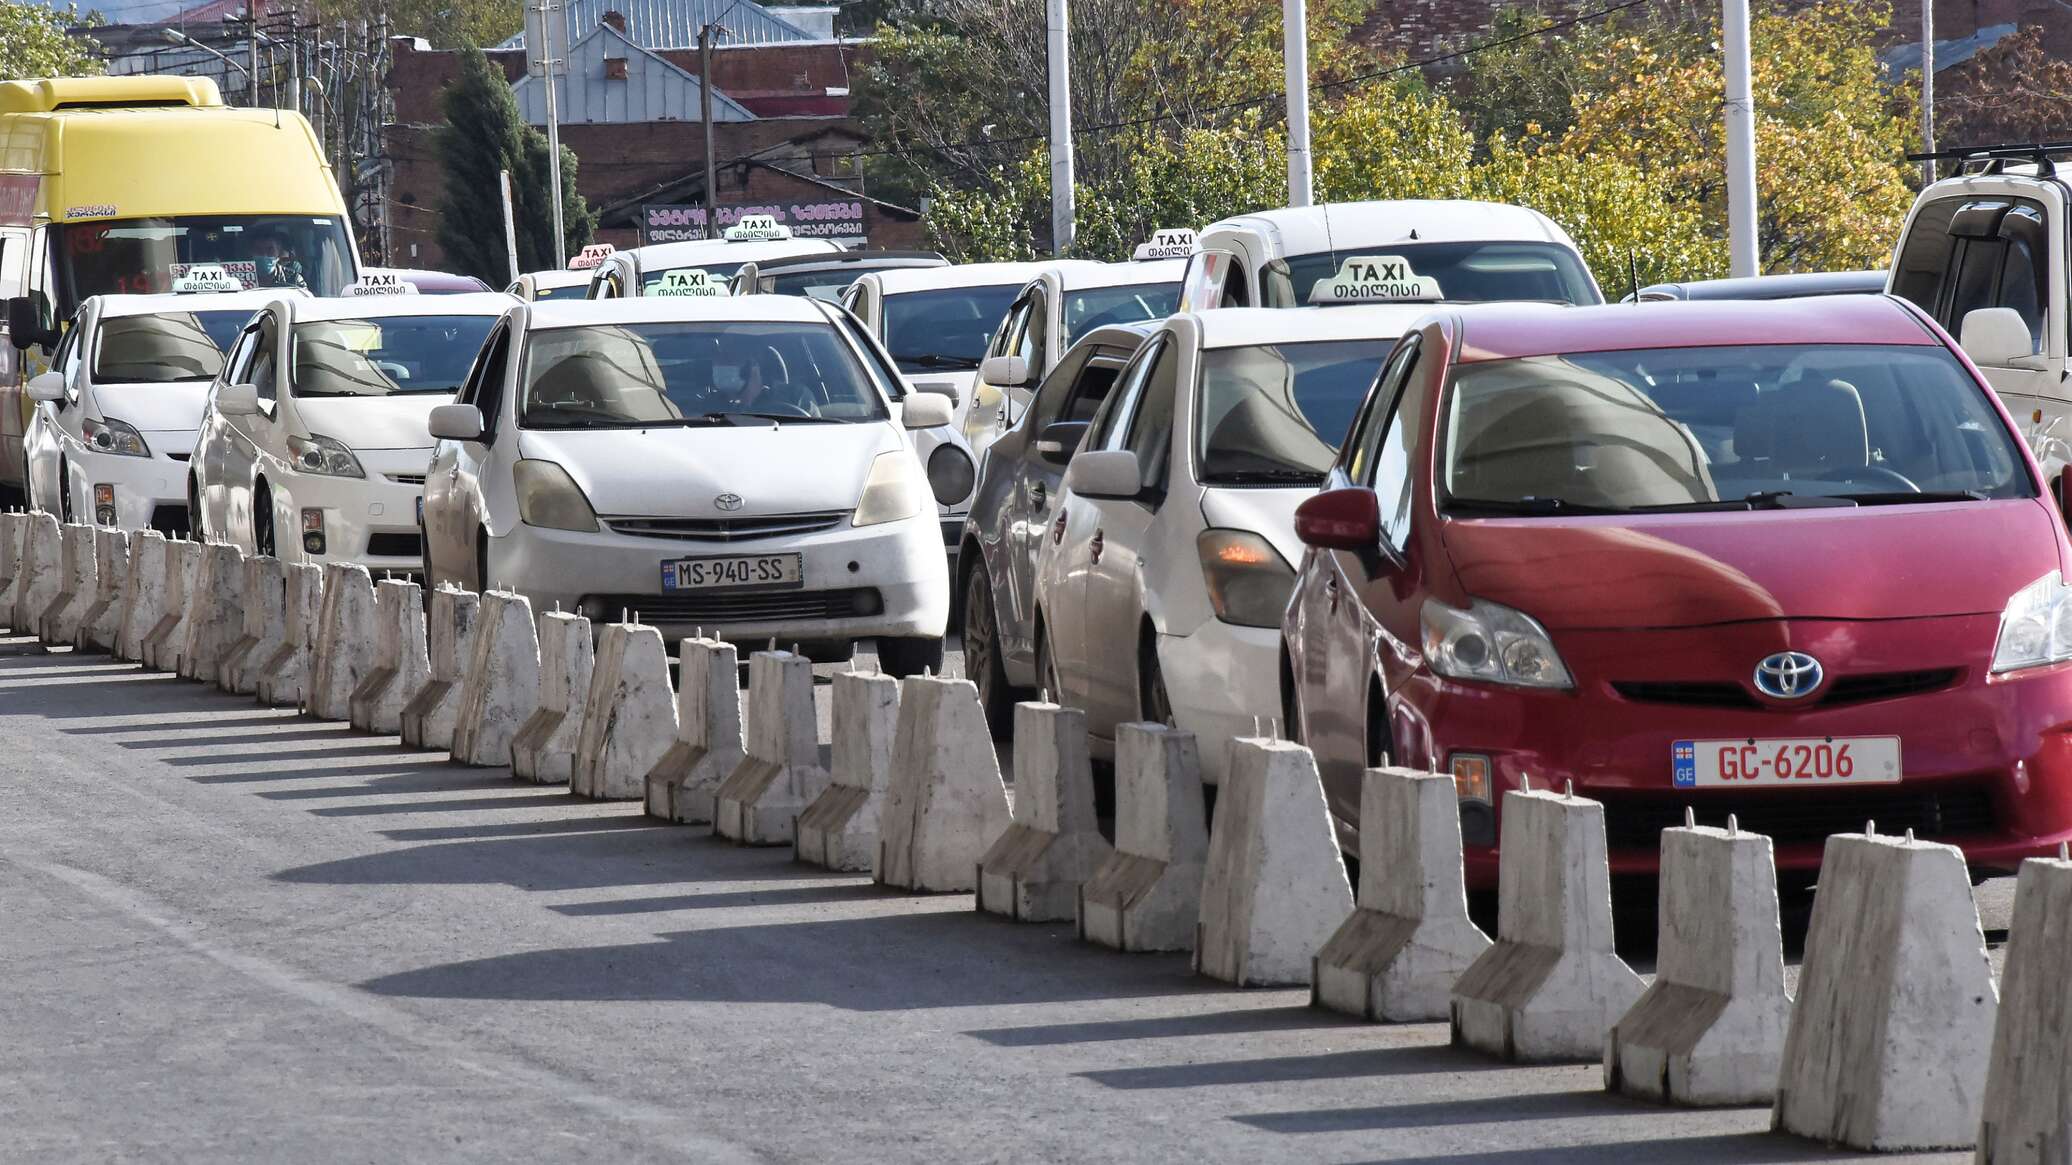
{"x": 615, "y": 68}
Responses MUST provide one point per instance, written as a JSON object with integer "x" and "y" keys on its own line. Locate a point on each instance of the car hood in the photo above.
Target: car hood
{"x": 373, "y": 422}
{"x": 154, "y": 408}
{"x": 680, "y": 472}
{"x": 1691, "y": 570}
{"x": 1270, "y": 513}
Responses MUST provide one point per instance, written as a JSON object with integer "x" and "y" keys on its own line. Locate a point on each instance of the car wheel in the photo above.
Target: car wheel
{"x": 1291, "y": 702}
{"x": 901, "y": 658}
{"x": 65, "y": 492}
{"x": 1379, "y": 746}
{"x": 195, "y": 528}
{"x": 1152, "y": 704}
{"x": 263, "y": 540}
{"x": 982, "y": 663}
{"x": 481, "y": 562}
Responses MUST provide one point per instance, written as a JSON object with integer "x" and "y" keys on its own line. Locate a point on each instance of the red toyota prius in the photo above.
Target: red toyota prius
{"x": 1785, "y": 560}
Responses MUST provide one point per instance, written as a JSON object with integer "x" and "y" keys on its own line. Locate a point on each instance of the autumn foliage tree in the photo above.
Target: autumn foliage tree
{"x": 35, "y": 42}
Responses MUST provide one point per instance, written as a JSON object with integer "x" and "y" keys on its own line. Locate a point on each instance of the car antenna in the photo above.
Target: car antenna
{"x": 1633, "y": 273}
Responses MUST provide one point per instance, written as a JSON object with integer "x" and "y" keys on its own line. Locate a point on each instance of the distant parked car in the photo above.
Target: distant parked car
{"x": 824, "y": 276}
{"x": 535, "y": 286}
{"x": 1795, "y": 286}
{"x": 699, "y": 268}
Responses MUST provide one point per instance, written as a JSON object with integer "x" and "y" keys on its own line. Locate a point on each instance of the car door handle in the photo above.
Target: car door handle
{"x": 1094, "y": 547}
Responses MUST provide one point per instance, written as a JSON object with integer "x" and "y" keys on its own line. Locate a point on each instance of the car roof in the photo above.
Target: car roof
{"x": 427, "y": 280}
{"x": 1347, "y": 226}
{"x": 555, "y": 313}
{"x": 656, "y": 256}
{"x": 1501, "y": 331}
{"x": 964, "y": 275}
{"x": 1074, "y": 277}
{"x": 1805, "y": 283}
{"x": 1238, "y": 327}
{"x": 367, "y": 307}
{"x": 847, "y": 260}
{"x": 145, "y": 305}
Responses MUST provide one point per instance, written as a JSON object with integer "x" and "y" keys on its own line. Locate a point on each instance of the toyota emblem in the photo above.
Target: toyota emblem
{"x": 732, "y": 502}
{"x": 1787, "y": 675}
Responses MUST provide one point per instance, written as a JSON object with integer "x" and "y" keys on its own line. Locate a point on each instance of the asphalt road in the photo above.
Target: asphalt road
{"x": 230, "y": 933}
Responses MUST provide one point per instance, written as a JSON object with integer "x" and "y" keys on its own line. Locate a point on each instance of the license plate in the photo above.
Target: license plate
{"x": 731, "y": 572}
{"x": 1825, "y": 760}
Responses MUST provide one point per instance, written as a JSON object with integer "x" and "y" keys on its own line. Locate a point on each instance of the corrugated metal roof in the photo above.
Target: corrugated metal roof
{"x": 653, "y": 89}
{"x": 674, "y": 24}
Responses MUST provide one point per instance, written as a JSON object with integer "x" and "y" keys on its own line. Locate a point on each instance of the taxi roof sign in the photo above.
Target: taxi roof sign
{"x": 1166, "y": 244}
{"x": 206, "y": 277}
{"x": 691, "y": 281}
{"x": 380, "y": 283}
{"x": 591, "y": 256}
{"x": 1375, "y": 279}
{"x": 758, "y": 228}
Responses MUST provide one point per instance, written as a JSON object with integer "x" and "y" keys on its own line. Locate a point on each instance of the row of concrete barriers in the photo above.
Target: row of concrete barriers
{"x": 1897, "y": 1039}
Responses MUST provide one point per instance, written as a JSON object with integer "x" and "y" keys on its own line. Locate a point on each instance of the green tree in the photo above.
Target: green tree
{"x": 447, "y": 24}
{"x": 484, "y": 135}
{"x": 35, "y": 41}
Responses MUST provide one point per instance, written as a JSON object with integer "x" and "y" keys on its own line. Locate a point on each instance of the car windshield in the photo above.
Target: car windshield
{"x": 571, "y": 291}
{"x": 165, "y": 349}
{"x": 934, "y": 331}
{"x": 825, "y": 285}
{"x": 153, "y": 254}
{"x": 1096, "y": 306}
{"x": 386, "y": 355}
{"x": 1462, "y": 272}
{"x": 730, "y": 372}
{"x": 1744, "y": 427}
{"x": 1275, "y": 413}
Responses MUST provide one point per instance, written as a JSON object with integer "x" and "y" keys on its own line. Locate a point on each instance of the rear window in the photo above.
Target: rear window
{"x": 1096, "y": 306}
{"x": 1276, "y": 413}
{"x": 933, "y": 331}
{"x": 164, "y": 349}
{"x": 572, "y": 291}
{"x": 1463, "y": 272}
{"x": 386, "y": 355}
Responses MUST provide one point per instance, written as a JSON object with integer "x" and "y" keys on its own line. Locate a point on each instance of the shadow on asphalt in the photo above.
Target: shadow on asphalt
{"x": 1468, "y": 1111}
{"x": 1408, "y": 1061}
{"x": 846, "y": 891}
{"x": 1738, "y": 1149}
{"x": 1215, "y": 1023}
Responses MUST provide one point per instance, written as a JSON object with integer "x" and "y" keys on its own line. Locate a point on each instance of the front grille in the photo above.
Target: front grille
{"x": 742, "y": 606}
{"x": 170, "y": 519}
{"x": 394, "y": 546}
{"x": 406, "y": 478}
{"x": 727, "y": 529}
{"x": 1943, "y": 810}
{"x": 1844, "y": 690}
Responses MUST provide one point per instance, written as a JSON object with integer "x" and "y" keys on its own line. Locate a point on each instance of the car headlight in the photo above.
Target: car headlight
{"x": 548, "y": 497}
{"x": 317, "y": 453}
{"x": 1492, "y": 643}
{"x": 113, "y": 436}
{"x": 892, "y": 491}
{"x": 1248, "y": 580}
{"x": 2036, "y": 627}
{"x": 951, "y": 474}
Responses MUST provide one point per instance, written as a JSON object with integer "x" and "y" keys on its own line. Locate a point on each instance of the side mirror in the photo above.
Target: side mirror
{"x": 238, "y": 400}
{"x": 25, "y": 326}
{"x": 941, "y": 388}
{"x": 1995, "y": 336}
{"x": 1005, "y": 371}
{"x": 47, "y": 386}
{"x": 456, "y": 422}
{"x": 1340, "y": 519}
{"x": 926, "y": 411}
{"x": 1105, "y": 473}
{"x": 1060, "y": 440}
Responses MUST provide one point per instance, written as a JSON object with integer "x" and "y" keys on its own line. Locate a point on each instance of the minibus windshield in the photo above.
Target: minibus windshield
{"x": 145, "y": 255}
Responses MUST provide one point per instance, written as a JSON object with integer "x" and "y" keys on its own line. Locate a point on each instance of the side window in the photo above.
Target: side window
{"x": 852, "y": 297}
{"x": 1056, "y": 389}
{"x": 1089, "y": 391}
{"x": 1925, "y": 257}
{"x": 2025, "y": 269}
{"x": 240, "y": 357}
{"x": 1237, "y": 291}
{"x": 1365, "y": 440}
{"x": 489, "y": 383}
{"x": 1035, "y": 345}
{"x": 1394, "y": 481}
{"x": 61, "y": 360}
{"x": 1127, "y": 386}
{"x": 1963, "y": 254}
{"x": 265, "y": 359}
{"x": 1008, "y": 341}
{"x": 1151, "y": 422}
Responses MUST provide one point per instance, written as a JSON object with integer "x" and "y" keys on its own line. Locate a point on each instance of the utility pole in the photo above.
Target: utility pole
{"x": 705, "y": 115}
{"x": 252, "y": 49}
{"x": 1064, "y": 214}
{"x": 1927, "y": 89}
{"x": 503, "y": 178}
{"x": 295, "y": 71}
{"x": 546, "y": 53}
{"x": 1295, "y": 50}
{"x": 1741, "y": 239}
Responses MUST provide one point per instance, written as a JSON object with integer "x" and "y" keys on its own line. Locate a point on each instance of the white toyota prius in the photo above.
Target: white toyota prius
{"x": 116, "y": 415}
{"x": 731, "y": 464}
{"x": 313, "y": 446}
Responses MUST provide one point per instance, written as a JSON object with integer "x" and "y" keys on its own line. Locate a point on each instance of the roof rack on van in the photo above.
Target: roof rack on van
{"x": 1994, "y": 158}
{"x": 52, "y": 94}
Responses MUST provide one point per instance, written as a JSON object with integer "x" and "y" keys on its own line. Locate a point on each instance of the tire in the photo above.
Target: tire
{"x": 1291, "y": 703}
{"x": 901, "y": 658}
{"x": 982, "y": 663}
{"x": 65, "y": 492}
{"x": 195, "y": 528}
{"x": 481, "y": 562}
{"x": 264, "y": 539}
{"x": 1380, "y": 749}
{"x": 1153, "y": 705}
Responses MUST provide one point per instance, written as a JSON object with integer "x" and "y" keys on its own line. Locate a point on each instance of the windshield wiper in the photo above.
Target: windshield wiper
{"x": 932, "y": 360}
{"x": 1262, "y": 477}
{"x": 1908, "y": 497}
{"x": 780, "y": 418}
{"x": 1525, "y": 506}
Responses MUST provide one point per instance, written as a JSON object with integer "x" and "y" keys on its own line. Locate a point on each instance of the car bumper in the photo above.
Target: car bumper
{"x": 1223, "y": 682}
{"x": 856, "y": 583}
{"x": 143, "y": 486}
{"x": 370, "y": 520}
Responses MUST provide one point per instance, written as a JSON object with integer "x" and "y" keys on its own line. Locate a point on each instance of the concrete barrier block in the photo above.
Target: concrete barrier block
{"x": 501, "y": 688}
{"x": 1710, "y": 1029}
{"x": 41, "y": 574}
{"x": 1889, "y": 1038}
{"x": 945, "y": 801}
{"x": 544, "y": 749}
{"x": 2028, "y": 1100}
{"x": 1551, "y": 987}
{"x": 449, "y": 628}
{"x": 143, "y": 594}
{"x": 400, "y": 664}
{"x": 263, "y": 627}
{"x": 168, "y": 637}
{"x": 760, "y": 801}
{"x": 1032, "y": 872}
{"x": 685, "y": 782}
{"x": 282, "y": 680}
{"x": 1409, "y": 939}
{"x": 629, "y": 715}
{"x": 102, "y": 619}
{"x": 839, "y": 830}
{"x": 1274, "y": 887}
{"x": 345, "y": 641}
{"x": 58, "y": 624}
{"x": 1147, "y": 895}
{"x": 215, "y": 612}
{"x": 14, "y": 527}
